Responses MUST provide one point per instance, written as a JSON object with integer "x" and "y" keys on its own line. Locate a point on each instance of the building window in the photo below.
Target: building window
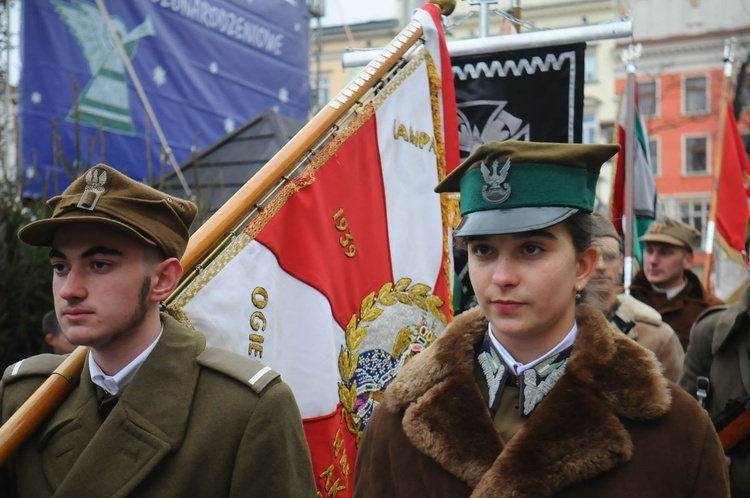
{"x": 647, "y": 98}
{"x": 694, "y": 212}
{"x": 653, "y": 149}
{"x": 320, "y": 89}
{"x": 695, "y": 90}
{"x": 589, "y": 129}
{"x": 590, "y": 65}
{"x": 696, "y": 155}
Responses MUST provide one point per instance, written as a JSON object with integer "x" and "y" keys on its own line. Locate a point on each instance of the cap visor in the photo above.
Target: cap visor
{"x": 40, "y": 233}
{"x": 502, "y": 221}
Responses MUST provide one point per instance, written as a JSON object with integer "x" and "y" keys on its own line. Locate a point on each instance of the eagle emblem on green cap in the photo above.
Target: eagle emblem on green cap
{"x": 496, "y": 190}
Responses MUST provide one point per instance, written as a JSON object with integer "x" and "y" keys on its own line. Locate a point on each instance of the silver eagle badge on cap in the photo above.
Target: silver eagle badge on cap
{"x": 94, "y": 186}
{"x": 496, "y": 190}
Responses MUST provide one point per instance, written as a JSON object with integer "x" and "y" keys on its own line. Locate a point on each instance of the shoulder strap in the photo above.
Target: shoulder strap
{"x": 246, "y": 370}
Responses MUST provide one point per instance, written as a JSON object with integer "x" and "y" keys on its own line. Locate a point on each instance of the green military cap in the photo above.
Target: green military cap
{"x": 673, "y": 232}
{"x": 104, "y": 195}
{"x": 516, "y": 186}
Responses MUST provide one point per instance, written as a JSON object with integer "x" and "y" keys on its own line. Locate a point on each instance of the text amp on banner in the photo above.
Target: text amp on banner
{"x": 531, "y": 94}
{"x": 342, "y": 276}
{"x": 205, "y": 67}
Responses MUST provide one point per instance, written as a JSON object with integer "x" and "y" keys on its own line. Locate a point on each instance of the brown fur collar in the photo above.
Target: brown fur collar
{"x": 573, "y": 435}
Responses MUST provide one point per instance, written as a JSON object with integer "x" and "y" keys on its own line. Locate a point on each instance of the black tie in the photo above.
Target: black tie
{"x": 106, "y": 402}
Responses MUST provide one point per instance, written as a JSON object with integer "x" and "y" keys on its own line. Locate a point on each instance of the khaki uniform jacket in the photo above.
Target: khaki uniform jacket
{"x": 189, "y": 424}
{"x": 611, "y": 426}
{"x": 653, "y": 334}
{"x": 715, "y": 344}
{"x": 681, "y": 311}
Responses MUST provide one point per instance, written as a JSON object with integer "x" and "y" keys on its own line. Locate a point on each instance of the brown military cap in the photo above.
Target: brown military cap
{"x": 104, "y": 195}
{"x": 672, "y": 231}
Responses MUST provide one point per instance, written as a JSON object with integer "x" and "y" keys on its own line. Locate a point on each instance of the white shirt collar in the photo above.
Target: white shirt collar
{"x": 113, "y": 384}
{"x": 518, "y": 367}
{"x": 671, "y": 292}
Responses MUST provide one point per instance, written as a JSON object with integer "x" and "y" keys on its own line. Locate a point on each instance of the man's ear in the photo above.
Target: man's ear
{"x": 688, "y": 261}
{"x": 166, "y": 276}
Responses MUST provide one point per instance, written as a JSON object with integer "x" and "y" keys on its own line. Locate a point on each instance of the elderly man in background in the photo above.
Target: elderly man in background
{"x": 635, "y": 319}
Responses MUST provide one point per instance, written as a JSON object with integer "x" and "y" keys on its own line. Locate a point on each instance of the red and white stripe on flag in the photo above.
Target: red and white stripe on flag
{"x": 341, "y": 278}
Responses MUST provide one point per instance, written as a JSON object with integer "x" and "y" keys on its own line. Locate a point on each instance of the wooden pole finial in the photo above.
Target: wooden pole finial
{"x": 446, "y": 6}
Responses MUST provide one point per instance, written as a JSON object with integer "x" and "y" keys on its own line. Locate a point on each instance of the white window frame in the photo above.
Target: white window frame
{"x": 657, "y": 146}
{"x": 685, "y": 139}
{"x": 657, "y": 98}
{"x": 707, "y": 95}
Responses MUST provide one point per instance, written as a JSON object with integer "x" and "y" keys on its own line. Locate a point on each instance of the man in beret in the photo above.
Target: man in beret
{"x": 637, "y": 320}
{"x": 666, "y": 282}
{"x": 156, "y": 412}
{"x": 717, "y": 368}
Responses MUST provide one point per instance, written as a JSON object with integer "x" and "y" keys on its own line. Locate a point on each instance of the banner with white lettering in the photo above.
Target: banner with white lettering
{"x": 206, "y": 66}
{"x": 534, "y": 94}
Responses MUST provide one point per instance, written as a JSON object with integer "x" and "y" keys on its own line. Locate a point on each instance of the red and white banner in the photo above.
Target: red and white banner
{"x": 342, "y": 277}
{"x": 731, "y": 208}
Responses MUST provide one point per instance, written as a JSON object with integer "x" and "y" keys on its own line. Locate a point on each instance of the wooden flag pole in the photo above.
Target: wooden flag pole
{"x": 717, "y": 164}
{"x": 45, "y": 400}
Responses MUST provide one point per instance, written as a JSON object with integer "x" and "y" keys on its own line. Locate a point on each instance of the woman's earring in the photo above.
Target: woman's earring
{"x": 578, "y": 294}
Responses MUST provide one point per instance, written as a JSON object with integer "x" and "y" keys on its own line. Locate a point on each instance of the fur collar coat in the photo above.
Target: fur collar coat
{"x": 611, "y": 426}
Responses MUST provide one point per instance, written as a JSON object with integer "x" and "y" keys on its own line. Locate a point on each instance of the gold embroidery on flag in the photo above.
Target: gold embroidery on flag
{"x": 411, "y": 309}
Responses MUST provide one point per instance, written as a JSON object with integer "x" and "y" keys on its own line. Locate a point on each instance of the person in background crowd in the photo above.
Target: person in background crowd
{"x": 53, "y": 336}
{"x": 666, "y": 282}
{"x": 534, "y": 393}
{"x": 635, "y": 319}
{"x": 717, "y": 369}
{"x": 156, "y": 412}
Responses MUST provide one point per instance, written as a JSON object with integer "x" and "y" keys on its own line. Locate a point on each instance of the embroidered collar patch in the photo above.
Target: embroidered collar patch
{"x": 534, "y": 383}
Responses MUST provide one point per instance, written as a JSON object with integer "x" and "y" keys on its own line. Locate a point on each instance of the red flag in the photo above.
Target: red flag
{"x": 731, "y": 208}
{"x": 342, "y": 277}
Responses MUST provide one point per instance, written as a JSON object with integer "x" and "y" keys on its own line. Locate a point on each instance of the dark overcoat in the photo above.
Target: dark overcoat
{"x": 719, "y": 336}
{"x": 681, "y": 311}
{"x": 611, "y": 426}
{"x": 189, "y": 424}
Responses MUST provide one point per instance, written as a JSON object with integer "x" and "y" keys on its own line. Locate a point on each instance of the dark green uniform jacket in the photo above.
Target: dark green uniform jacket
{"x": 718, "y": 338}
{"x": 189, "y": 424}
{"x": 612, "y": 426}
{"x": 681, "y": 311}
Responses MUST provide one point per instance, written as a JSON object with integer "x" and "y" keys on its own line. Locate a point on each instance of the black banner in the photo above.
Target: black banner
{"x": 533, "y": 94}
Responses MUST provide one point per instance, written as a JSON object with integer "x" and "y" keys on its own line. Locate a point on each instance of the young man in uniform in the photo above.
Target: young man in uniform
{"x": 666, "y": 282}
{"x": 635, "y": 319}
{"x": 717, "y": 369}
{"x": 156, "y": 413}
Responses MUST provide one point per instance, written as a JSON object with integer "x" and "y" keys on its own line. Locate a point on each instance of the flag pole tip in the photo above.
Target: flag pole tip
{"x": 446, "y": 6}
